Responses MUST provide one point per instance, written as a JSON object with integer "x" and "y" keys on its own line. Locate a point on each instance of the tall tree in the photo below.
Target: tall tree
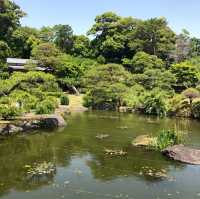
{"x": 46, "y": 54}
{"x": 4, "y": 53}
{"x": 107, "y": 85}
{"x": 183, "y": 47}
{"x": 47, "y": 34}
{"x": 23, "y": 40}
{"x": 81, "y": 46}
{"x": 186, "y": 75}
{"x": 195, "y": 47}
{"x": 110, "y": 36}
{"x": 154, "y": 37}
{"x": 143, "y": 61}
{"x": 10, "y": 15}
{"x": 63, "y": 37}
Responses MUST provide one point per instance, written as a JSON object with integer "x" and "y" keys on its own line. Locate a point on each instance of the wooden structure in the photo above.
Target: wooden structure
{"x": 15, "y": 64}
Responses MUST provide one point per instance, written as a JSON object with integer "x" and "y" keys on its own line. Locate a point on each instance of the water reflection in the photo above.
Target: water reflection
{"x": 78, "y": 140}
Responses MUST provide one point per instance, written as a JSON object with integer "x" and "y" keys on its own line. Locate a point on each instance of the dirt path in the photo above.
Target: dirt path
{"x": 76, "y": 103}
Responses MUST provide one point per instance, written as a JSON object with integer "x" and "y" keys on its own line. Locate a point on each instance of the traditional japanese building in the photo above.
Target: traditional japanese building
{"x": 15, "y": 64}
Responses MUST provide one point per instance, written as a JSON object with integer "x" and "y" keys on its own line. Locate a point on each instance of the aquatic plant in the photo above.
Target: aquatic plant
{"x": 168, "y": 138}
{"x": 115, "y": 152}
{"x": 42, "y": 169}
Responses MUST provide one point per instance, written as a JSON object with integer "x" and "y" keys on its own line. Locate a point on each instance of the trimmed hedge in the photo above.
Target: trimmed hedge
{"x": 64, "y": 100}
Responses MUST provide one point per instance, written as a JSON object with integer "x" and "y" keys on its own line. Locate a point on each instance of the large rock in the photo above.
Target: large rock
{"x": 52, "y": 121}
{"x": 29, "y": 123}
{"x": 143, "y": 140}
{"x": 12, "y": 129}
{"x": 183, "y": 154}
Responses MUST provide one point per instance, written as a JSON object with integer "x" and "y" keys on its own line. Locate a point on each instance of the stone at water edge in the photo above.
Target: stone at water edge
{"x": 53, "y": 121}
{"x": 14, "y": 129}
{"x": 31, "y": 123}
{"x": 183, "y": 154}
{"x": 143, "y": 140}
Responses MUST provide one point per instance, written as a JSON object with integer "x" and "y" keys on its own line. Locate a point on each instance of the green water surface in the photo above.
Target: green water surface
{"x": 85, "y": 171}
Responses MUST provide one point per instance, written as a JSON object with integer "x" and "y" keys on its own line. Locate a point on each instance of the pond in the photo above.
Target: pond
{"x": 85, "y": 171}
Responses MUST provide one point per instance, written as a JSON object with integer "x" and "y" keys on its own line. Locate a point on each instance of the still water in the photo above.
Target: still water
{"x": 84, "y": 171}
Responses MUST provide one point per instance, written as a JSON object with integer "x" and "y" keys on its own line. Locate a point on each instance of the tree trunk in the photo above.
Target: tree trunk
{"x": 75, "y": 90}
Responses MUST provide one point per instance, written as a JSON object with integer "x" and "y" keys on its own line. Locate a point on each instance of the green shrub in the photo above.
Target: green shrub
{"x": 54, "y": 100}
{"x": 50, "y": 87}
{"x": 196, "y": 108}
{"x": 6, "y": 100}
{"x": 186, "y": 75}
{"x": 132, "y": 97}
{"x": 9, "y": 111}
{"x": 175, "y": 103}
{"x": 37, "y": 93}
{"x": 168, "y": 138}
{"x": 180, "y": 106}
{"x": 154, "y": 103}
{"x": 106, "y": 86}
{"x": 143, "y": 61}
{"x": 64, "y": 100}
{"x": 19, "y": 79}
{"x": 87, "y": 100}
{"x": 24, "y": 99}
{"x": 54, "y": 94}
{"x": 45, "y": 107}
{"x": 4, "y": 75}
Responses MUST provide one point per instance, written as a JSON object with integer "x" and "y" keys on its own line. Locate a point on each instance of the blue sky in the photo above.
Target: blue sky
{"x": 80, "y": 14}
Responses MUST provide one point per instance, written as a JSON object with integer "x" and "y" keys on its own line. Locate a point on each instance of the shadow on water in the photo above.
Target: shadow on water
{"x": 76, "y": 150}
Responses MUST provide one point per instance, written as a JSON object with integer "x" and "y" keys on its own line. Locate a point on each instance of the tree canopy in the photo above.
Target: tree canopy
{"x": 122, "y": 61}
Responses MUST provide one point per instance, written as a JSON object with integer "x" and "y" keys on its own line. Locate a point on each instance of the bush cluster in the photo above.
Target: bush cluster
{"x": 26, "y": 92}
{"x": 9, "y": 112}
{"x": 64, "y": 100}
{"x": 45, "y": 107}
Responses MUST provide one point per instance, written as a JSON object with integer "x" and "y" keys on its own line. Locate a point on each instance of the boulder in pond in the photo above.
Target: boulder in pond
{"x": 52, "y": 121}
{"x": 183, "y": 154}
{"x": 14, "y": 129}
{"x": 10, "y": 129}
{"x": 143, "y": 140}
{"x": 23, "y": 124}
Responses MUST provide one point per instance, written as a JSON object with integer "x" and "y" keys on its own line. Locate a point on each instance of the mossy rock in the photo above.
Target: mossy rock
{"x": 143, "y": 140}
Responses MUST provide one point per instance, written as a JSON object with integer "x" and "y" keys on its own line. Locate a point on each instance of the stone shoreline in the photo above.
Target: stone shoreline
{"x": 31, "y": 121}
{"x": 28, "y": 123}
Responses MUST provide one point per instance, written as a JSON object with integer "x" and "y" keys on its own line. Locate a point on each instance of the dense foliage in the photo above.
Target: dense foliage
{"x": 45, "y": 107}
{"x": 154, "y": 103}
{"x": 122, "y": 61}
{"x": 106, "y": 85}
{"x": 25, "y": 92}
